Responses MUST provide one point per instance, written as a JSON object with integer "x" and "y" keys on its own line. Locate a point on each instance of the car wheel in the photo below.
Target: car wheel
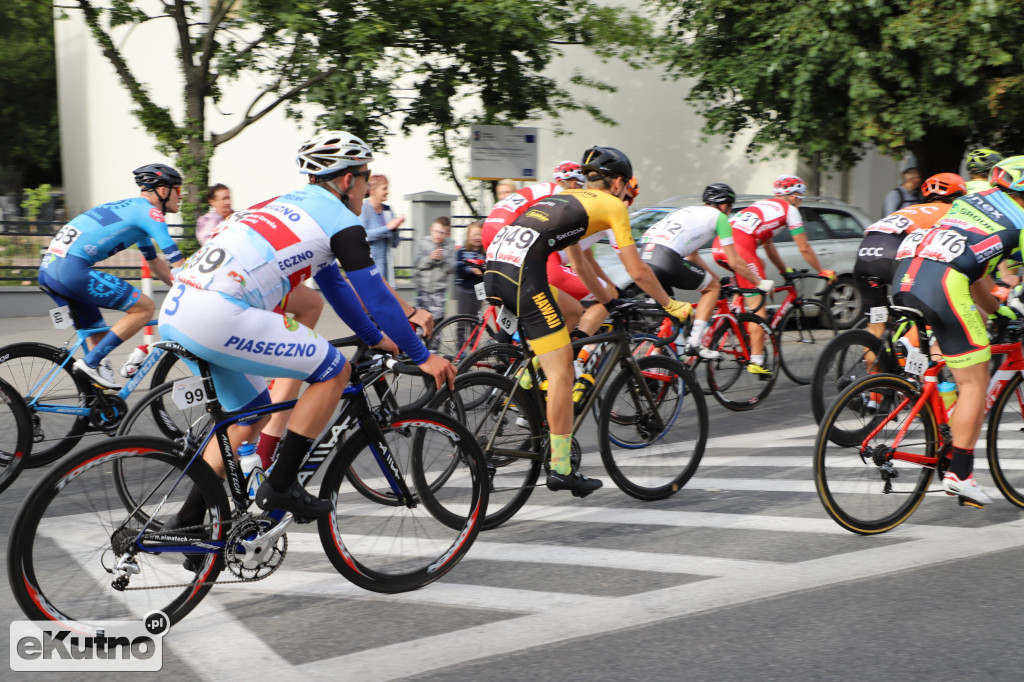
{"x": 847, "y": 303}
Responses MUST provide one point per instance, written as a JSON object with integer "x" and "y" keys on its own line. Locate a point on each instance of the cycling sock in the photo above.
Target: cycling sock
{"x": 102, "y": 349}
{"x": 193, "y": 509}
{"x": 963, "y": 462}
{"x": 290, "y": 454}
{"x": 561, "y": 451}
{"x": 525, "y": 379}
{"x": 757, "y": 360}
{"x": 266, "y": 447}
{"x": 697, "y": 333}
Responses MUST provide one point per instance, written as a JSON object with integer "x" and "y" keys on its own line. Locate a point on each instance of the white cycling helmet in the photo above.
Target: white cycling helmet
{"x": 332, "y": 151}
{"x": 568, "y": 170}
{"x": 788, "y": 184}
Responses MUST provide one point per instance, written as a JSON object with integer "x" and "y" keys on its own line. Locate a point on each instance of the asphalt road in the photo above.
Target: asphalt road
{"x": 740, "y": 576}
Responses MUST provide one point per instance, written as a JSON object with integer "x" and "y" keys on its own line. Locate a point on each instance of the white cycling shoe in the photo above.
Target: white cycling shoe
{"x": 103, "y": 375}
{"x": 967, "y": 488}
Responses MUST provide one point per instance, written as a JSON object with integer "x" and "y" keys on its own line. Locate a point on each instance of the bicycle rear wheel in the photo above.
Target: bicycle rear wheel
{"x": 803, "y": 333}
{"x": 35, "y": 372}
{"x": 661, "y": 443}
{"x": 848, "y": 357}
{"x": 457, "y": 336}
{"x": 72, "y": 532}
{"x": 863, "y": 488}
{"x": 481, "y": 398}
{"x": 408, "y": 544}
{"x": 501, "y": 358}
{"x": 15, "y": 434}
{"x": 729, "y": 380}
{"x": 1005, "y": 441}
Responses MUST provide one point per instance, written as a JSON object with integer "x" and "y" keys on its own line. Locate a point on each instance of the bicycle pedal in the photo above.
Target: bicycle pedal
{"x": 964, "y": 502}
{"x": 302, "y": 519}
{"x": 581, "y": 494}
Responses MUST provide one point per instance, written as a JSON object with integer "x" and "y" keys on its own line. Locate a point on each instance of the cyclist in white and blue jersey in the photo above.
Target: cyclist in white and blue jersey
{"x": 67, "y": 267}
{"x": 221, "y": 309}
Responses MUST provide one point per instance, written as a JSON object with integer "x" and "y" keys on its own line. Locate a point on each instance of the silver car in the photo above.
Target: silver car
{"x": 835, "y": 230}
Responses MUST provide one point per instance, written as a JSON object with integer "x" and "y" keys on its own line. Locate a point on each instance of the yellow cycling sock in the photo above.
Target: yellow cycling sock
{"x": 525, "y": 380}
{"x": 561, "y": 451}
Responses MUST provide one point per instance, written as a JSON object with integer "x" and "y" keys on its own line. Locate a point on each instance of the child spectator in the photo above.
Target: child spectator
{"x": 435, "y": 265}
{"x": 469, "y": 271}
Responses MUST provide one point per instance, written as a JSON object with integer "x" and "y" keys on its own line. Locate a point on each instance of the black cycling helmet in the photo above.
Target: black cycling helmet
{"x": 719, "y": 193}
{"x": 606, "y": 161}
{"x": 155, "y": 175}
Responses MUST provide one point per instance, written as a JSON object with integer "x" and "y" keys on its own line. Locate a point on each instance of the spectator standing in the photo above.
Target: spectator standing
{"x": 218, "y": 197}
{"x": 435, "y": 265}
{"x": 504, "y": 188}
{"x": 469, "y": 270}
{"x": 381, "y": 226}
{"x": 907, "y": 194}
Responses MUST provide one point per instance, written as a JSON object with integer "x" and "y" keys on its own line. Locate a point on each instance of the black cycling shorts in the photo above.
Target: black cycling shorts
{"x": 674, "y": 271}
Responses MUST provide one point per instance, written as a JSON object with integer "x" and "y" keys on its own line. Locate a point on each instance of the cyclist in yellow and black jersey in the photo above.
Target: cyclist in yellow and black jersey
{"x": 517, "y": 277}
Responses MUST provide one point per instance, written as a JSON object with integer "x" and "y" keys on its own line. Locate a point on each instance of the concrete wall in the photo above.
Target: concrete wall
{"x": 102, "y": 141}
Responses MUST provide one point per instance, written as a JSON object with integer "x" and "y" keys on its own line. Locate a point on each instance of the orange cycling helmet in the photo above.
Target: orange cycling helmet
{"x": 943, "y": 186}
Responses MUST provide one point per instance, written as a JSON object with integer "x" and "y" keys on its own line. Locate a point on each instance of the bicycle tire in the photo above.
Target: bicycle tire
{"x": 67, "y": 530}
{"x": 23, "y": 366}
{"x": 15, "y": 434}
{"x": 481, "y": 397}
{"x": 501, "y": 358}
{"x": 170, "y": 367}
{"x": 802, "y": 337}
{"x": 654, "y": 463}
{"x": 1005, "y": 451}
{"x": 728, "y": 379}
{"x": 155, "y": 414}
{"x": 843, "y": 361}
{"x": 456, "y": 336}
{"x": 852, "y": 486}
{"x": 398, "y": 548}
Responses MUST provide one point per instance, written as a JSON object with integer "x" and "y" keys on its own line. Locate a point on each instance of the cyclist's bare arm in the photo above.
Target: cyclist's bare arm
{"x": 773, "y": 255}
{"x": 609, "y": 287}
{"x": 586, "y": 272}
{"x": 981, "y": 292}
{"x": 807, "y": 251}
{"x": 740, "y": 268}
{"x": 162, "y": 270}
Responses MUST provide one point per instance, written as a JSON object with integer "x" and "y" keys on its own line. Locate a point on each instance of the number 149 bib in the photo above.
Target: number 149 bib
{"x": 511, "y": 244}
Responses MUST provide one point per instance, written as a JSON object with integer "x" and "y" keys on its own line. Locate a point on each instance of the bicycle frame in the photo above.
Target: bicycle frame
{"x": 41, "y": 386}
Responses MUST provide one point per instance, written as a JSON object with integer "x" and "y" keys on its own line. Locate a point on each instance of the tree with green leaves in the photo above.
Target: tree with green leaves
{"x": 370, "y": 65}
{"x": 831, "y": 78}
{"x": 30, "y": 153}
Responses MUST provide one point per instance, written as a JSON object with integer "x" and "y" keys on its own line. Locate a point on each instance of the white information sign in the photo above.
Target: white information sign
{"x": 498, "y": 152}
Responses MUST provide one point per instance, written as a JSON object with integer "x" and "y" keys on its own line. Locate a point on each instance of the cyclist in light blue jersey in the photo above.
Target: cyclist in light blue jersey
{"x": 68, "y": 274}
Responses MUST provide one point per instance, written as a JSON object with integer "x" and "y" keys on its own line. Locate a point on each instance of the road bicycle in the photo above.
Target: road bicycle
{"x": 652, "y": 424}
{"x": 886, "y": 434}
{"x": 456, "y": 336}
{"x": 15, "y": 434}
{"x": 91, "y": 542}
{"x": 64, "y": 403}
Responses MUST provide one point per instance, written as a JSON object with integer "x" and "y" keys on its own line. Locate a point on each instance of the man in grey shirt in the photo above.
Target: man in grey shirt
{"x": 907, "y": 194}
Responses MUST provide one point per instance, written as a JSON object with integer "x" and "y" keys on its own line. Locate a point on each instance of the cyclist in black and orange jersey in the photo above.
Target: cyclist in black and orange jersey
{"x": 517, "y": 277}
{"x": 946, "y": 273}
{"x": 876, "y": 257}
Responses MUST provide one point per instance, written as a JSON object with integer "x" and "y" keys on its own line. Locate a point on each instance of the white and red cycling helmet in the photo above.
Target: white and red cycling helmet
{"x": 788, "y": 184}
{"x": 568, "y": 170}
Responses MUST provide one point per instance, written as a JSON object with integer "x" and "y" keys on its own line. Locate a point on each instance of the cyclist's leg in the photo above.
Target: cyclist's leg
{"x": 746, "y": 250}
{"x": 306, "y": 305}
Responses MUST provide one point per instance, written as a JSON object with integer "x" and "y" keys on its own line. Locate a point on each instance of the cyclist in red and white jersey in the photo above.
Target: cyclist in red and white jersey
{"x": 758, "y": 224}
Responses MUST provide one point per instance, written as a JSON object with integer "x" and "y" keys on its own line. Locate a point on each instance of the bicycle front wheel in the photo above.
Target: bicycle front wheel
{"x": 15, "y": 434}
{"x": 35, "y": 371}
{"x": 1005, "y": 442}
{"x": 662, "y": 441}
{"x": 848, "y": 357}
{"x": 803, "y": 333}
{"x": 407, "y": 544}
{"x": 871, "y": 480}
{"x": 457, "y": 336}
{"x": 737, "y": 383}
{"x": 77, "y": 555}
{"x": 502, "y": 358}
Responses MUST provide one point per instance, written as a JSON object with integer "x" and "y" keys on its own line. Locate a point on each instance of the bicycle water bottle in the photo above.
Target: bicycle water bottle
{"x": 250, "y": 462}
{"x": 582, "y": 389}
{"x": 947, "y": 390}
{"x": 134, "y": 361}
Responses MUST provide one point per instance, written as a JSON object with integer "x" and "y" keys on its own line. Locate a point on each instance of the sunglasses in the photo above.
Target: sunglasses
{"x": 361, "y": 174}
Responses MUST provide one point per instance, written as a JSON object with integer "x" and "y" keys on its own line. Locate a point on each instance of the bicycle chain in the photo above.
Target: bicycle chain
{"x": 192, "y": 584}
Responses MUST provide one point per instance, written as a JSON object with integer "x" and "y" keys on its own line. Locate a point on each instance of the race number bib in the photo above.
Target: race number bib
{"x": 61, "y": 317}
{"x": 747, "y": 221}
{"x": 893, "y": 224}
{"x": 908, "y": 247}
{"x": 507, "y": 321}
{"x": 942, "y": 245}
{"x": 481, "y": 293}
{"x": 511, "y": 244}
{"x": 878, "y": 314}
{"x": 63, "y": 240}
{"x": 916, "y": 364}
{"x": 189, "y": 392}
{"x": 202, "y": 266}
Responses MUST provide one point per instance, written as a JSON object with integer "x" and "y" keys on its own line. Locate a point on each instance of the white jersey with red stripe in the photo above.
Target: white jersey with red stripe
{"x": 512, "y": 206}
{"x": 259, "y": 256}
{"x": 762, "y": 219}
